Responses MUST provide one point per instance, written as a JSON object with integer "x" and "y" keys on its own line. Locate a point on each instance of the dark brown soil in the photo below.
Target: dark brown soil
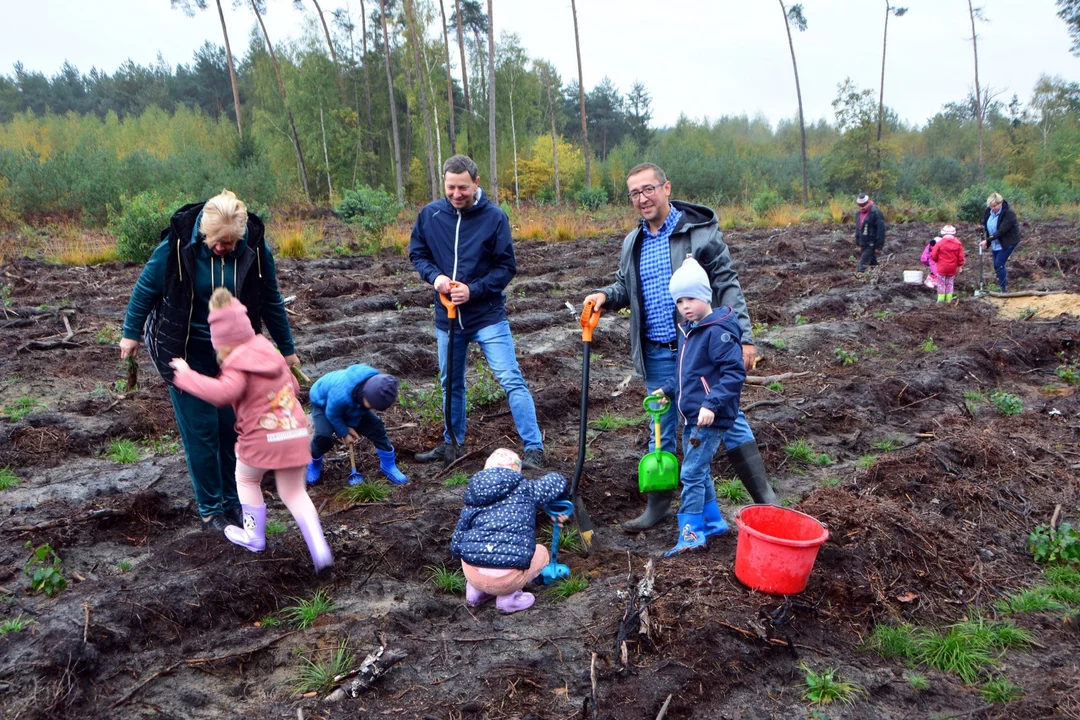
{"x": 162, "y": 620}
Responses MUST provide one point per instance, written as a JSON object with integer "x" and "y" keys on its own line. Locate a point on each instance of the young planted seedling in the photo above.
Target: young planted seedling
{"x": 928, "y": 345}
{"x": 449, "y": 581}
{"x": 845, "y": 357}
{"x": 611, "y": 421}
{"x": 569, "y": 586}
{"x": 8, "y": 479}
{"x": 888, "y": 444}
{"x": 1007, "y": 403}
{"x": 865, "y": 462}
{"x": 372, "y": 490}
{"x": 43, "y": 569}
{"x": 275, "y": 527}
{"x": 270, "y": 621}
{"x": 918, "y": 682}
{"x": 827, "y": 687}
{"x": 830, "y": 482}
{"x": 122, "y": 451}
{"x": 458, "y": 478}
{"x": 303, "y": 614}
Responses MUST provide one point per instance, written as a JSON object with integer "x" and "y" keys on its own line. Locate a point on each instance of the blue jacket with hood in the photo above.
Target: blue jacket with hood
{"x": 497, "y": 527}
{"x": 332, "y": 393}
{"x": 709, "y": 368}
{"x": 472, "y": 247}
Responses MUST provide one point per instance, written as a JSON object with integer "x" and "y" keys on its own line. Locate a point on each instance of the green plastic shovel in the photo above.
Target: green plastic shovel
{"x": 658, "y": 470}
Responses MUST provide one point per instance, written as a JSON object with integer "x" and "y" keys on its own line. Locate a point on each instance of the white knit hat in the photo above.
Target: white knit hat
{"x": 691, "y": 281}
{"x": 862, "y": 199}
{"x": 948, "y": 230}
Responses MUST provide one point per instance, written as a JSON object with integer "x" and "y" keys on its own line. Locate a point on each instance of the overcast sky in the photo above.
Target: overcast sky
{"x": 701, "y": 58}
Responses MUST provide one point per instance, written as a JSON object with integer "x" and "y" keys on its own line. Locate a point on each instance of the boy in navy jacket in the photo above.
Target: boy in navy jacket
{"x": 706, "y": 394}
{"x": 342, "y": 404}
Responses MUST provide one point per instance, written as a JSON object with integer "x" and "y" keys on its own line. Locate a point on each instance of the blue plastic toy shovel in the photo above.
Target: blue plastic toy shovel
{"x": 554, "y": 570}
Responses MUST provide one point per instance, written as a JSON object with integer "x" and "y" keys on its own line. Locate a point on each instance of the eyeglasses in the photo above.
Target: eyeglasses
{"x": 647, "y": 191}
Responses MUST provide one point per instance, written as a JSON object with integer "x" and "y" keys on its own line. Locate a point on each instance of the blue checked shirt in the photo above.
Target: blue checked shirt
{"x": 655, "y": 270}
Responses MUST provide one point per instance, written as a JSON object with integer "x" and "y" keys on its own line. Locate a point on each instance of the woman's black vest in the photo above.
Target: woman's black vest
{"x": 168, "y": 325}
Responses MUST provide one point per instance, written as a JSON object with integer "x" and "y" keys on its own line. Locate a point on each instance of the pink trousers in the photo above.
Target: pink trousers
{"x": 505, "y": 582}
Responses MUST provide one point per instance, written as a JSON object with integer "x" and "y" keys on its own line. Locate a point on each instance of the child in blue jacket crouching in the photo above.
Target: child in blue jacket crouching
{"x": 495, "y": 537}
{"x": 706, "y": 393}
{"x": 342, "y": 404}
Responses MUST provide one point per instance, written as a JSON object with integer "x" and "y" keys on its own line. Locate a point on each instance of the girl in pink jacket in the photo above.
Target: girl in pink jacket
{"x": 272, "y": 427}
{"x": 949, "y": 256}
{"x": 927, "y": 259}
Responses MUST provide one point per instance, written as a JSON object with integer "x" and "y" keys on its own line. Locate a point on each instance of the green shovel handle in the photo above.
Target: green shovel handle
{"x": 650, "y": 404}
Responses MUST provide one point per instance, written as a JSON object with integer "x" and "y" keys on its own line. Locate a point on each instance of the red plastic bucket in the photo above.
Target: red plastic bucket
{"x": 777, "y": 548}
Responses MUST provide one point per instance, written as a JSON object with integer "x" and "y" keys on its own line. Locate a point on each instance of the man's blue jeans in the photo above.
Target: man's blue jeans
{"x": 660, "y": 364}
{"x": 498, "y": 346}
{"x": 696, "y": 475}
{"x": 1000, "y": 257}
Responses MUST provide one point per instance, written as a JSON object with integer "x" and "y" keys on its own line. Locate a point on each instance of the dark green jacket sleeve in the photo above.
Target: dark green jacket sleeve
{"x": 273, "y": 309}
{"x": 147, "y": 293}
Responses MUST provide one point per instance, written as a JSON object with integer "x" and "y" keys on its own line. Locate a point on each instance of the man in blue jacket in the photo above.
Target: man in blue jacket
{"x": 461, "y": 245}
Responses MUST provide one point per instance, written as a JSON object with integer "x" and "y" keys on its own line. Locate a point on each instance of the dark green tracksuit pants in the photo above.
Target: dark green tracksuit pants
{"x": 209, "y": 440}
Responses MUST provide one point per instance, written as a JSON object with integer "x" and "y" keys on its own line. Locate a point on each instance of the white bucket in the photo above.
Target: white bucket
{"x": 913, "y": 277}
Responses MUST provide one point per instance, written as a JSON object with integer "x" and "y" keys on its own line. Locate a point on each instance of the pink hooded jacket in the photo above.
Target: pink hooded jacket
{"x": 928, "y": 259}
{"x": 255, "y": 380}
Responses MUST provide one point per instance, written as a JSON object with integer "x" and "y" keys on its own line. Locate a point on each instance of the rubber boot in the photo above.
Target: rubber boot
{"x": 389, "y": 467}
{"x": 514, "y": 602}
{"x": 691, "y": 533}
{"x": 657, "y": 509}
{"x": 948, "y": 297}
{"x": 714, "y": 520}
{"x": 940, "y": 298}
{"x": 311, "y": 529}
{"x": 314, "y": 470}
{"x": 253, "y": 535}
{"x": 475, "y": 598}
{"x": 748, "y": 465}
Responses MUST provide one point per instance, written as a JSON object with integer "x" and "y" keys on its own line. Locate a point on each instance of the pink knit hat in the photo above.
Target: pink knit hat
{"x": 230, "y": 326}
{"x": 505, "y": 459}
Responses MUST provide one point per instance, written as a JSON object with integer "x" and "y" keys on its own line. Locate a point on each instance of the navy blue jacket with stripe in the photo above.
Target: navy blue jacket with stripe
{"x": 709, "y": 369}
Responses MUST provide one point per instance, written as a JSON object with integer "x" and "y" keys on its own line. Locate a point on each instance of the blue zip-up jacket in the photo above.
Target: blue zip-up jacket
{"x": 497, "y": 527}
{"x": 472, "y": 247}
{"x": 332, "y": 393}
{"x": 709, "y": 371}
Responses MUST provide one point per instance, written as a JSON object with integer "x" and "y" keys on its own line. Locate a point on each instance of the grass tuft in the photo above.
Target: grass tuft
{"x": 918, "y": 682}
{"x": 889, "y": 642}
{"x": 17, "y": 624}
{"x": 611, "y": 421}
{"x": 275, "y": 527}
{"x": 458, "y": 478}
{"x": 21, "y": 407}
{"x": 731, "y": 490}
{"x": 1000, "y": 691}
{"x": 319, "y": 677}
{"x": 303, "y": 614}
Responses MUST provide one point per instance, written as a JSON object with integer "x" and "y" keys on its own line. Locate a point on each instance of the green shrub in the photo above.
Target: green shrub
{"x": 373, "y": 210}
{"x": 43, "y": 569}
{"x": 1007, "y": 403}
{"x": 765, "y": 201}
{"x": 972, "y": 203}
{"x": 1050, "y": 546}
{"x": 591, "y": 198}
{"x": 137, "y": 224}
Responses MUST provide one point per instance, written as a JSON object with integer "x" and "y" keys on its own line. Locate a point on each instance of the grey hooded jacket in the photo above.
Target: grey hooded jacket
{"x": 698, "y": 234}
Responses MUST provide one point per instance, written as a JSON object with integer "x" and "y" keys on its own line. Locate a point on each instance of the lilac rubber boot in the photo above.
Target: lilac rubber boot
{"x": 253, "y": 535}
{"x": 514, "y": 602}
{"x": 475, "y": 598}
{"x": 312, "y": 531}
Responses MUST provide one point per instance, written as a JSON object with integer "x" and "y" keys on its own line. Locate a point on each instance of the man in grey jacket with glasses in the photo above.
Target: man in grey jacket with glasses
{"x": 669, "y": 231}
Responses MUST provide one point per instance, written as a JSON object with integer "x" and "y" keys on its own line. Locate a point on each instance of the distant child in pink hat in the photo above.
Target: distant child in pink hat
{"x": 949, "y": 256}
{"x": 272, "y": 427}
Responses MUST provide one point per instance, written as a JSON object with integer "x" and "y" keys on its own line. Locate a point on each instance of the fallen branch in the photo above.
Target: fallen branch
{"x": 663, "y": 710}
{"x": 769, "y": 379}
{"x": 928, "y": 397}
{"x": 49, "y": 524}
{"x": 375, "y": 665}
{"x": 130, "y": 693}
{"x": 761, "y": 403}
{"x": 238, "y": 653}
{"x": 1025, "y": 293}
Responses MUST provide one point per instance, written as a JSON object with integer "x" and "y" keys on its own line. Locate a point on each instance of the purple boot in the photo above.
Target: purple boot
{"x": 514, "y": 602}
{"x": 475, "y": 598}
{"x": 312, "y": 531}
{"x": 253, "y": 535}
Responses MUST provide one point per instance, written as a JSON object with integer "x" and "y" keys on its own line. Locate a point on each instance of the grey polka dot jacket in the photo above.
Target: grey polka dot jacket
{"x": 497, "y": 527}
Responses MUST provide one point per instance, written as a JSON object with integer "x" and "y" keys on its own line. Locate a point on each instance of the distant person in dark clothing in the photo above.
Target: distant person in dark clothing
{"x": 207, "y": 245}
{"x": 869, "y": 231}
{"x": 1002, "y": 234}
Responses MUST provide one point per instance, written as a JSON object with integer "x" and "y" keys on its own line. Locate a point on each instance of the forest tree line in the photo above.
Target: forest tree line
{"x": 317, "y": 117}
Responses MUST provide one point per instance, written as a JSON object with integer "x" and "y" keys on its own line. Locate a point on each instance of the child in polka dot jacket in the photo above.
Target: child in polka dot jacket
{"x": 495, "y": 537}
